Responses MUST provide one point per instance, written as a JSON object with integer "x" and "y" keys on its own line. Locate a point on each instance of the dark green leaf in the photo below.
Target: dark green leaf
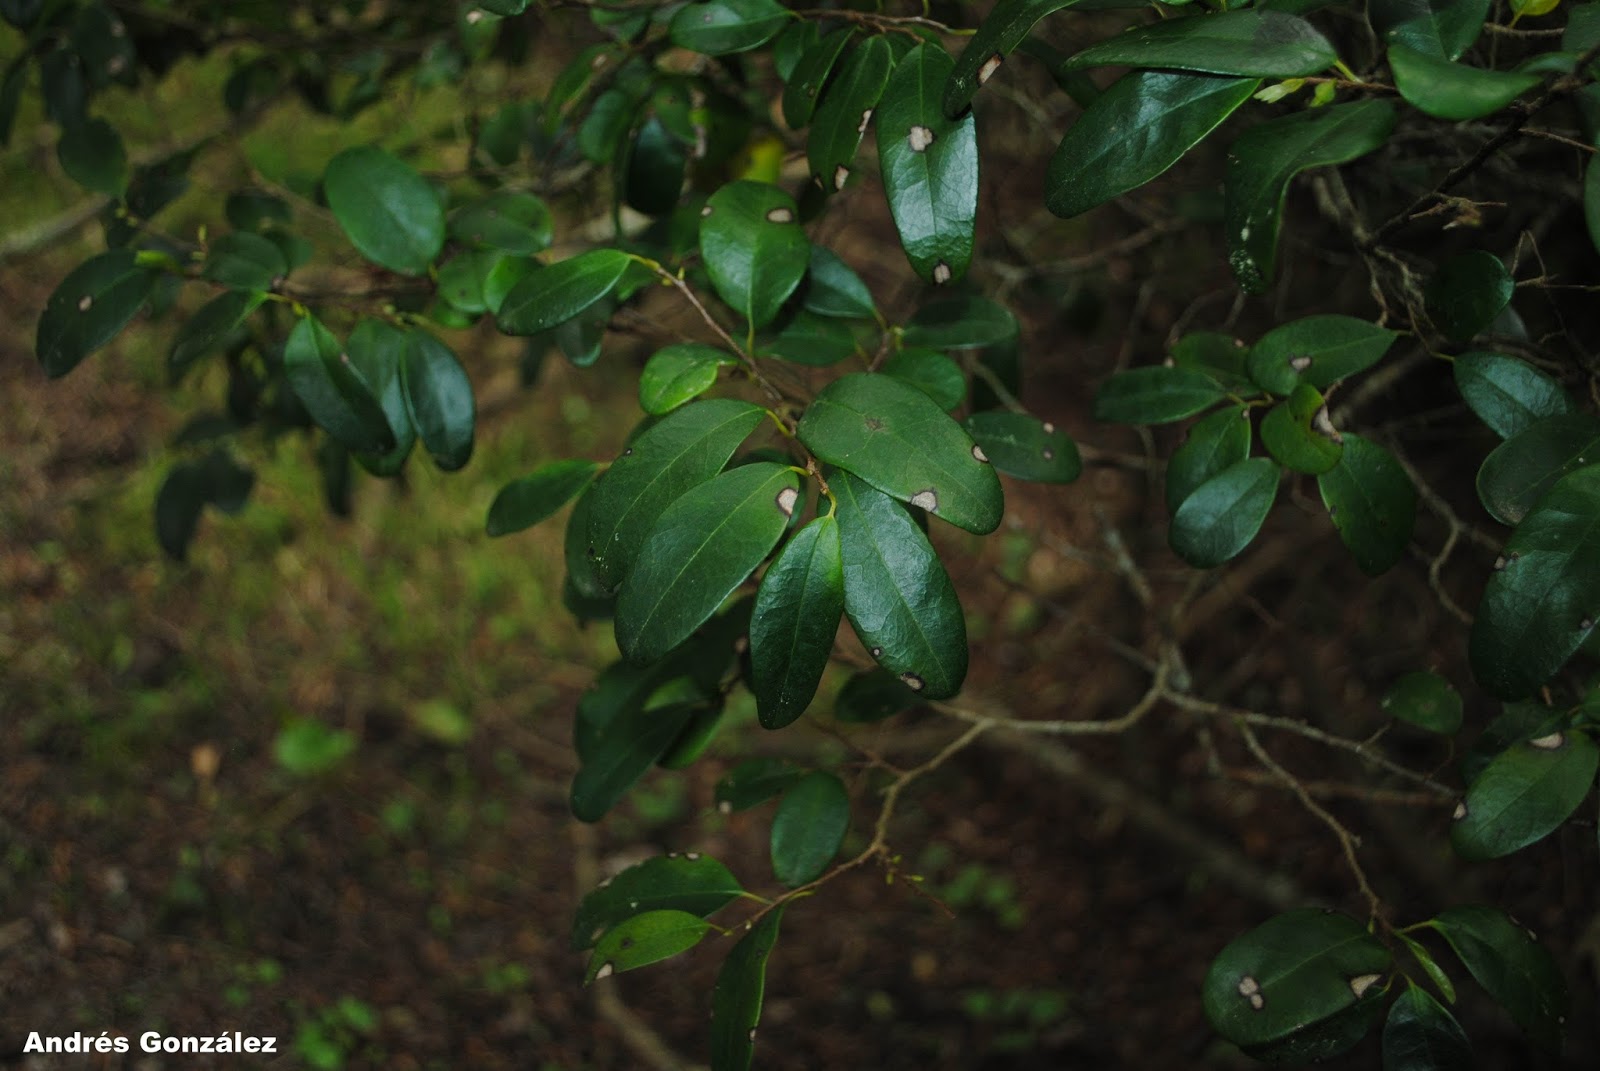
{"x": 811, "y": 339}
{"x": 462, "y": 277}
{"x": 1519, "y": 471}
{"x": 1292, "y": 972}
{"x": 11, "y": 86}
{"x": 210, "y": 328}
{"x": 1420, "y": 1035}
{"x": 657, "y": 162}
{"x": 703, "y": 546}
{"x": 897, "y": 594}
{"x": 390, "y": 213}
{"x": 556, "y": 294}
{"x": 1543, "y": 599}
{"x": 753, "y": 248}
{"x": 525, "y": 502}
{"x": 439, "y": 399}
{"x": 1135, "y": 130}
{"x": 720, "y": 27}
{"x": 335, "y": 396}
{"x": 254, "y": 211}
{"x": 832, "y": 288}
{"x": 736, "y": 1000}
{"x": 646, "y": 938}
{"x": 1220, "y": 356}
{"x": 872, "y": 696}
{"x": 809, "y": 827}
{"x": 790, "y": 45}
{"x": 755, "y": 781}
{"x": 1264, "y": 44}
{"x": 845, "y": 109}
{"x": 609, "y": 119}
{"x": 1221, "y": 516}
{"x": 508, "y": 220}
{"x": 930, "y": 167}
{"x": 92, "y": 155}
{"x": 619, "y": 753}
{"x": 377, "y": 350}
{"x": 1000, "y": 33}
{"x": 960, "y": 323}
{"x": 898, "y": 440}
{"x": 1442, "y": 28}
{"x": 932, "y": 373}
{"x": 1467, "y": 293}
{"x": 1215, "y": 443}
{"x": 1524, "y": 794}
{"x": 245, "y": 261}
{"x": 1297, "y": 433}
{"x": 1512, "y": 966}
{"x": 805, "y": 83}
{"x": 1156, "y": 394}
{"x": 1319, "y": 350}
{"x": 1507, "y": 394}
{"x": 1446, "y": 90}
{"x": 1025, "y": 447}
{"x": 1268, "y": 155}
{"x": 1430, "y": 967}
{"x": 679, "y": 374}
{"x": 1426, "y": 700}
{"x": 1372, "y": 503}
{"x": 796, "y": 617}
{"x": 1516, "y": 723}
{"x": 178, "y": 507}
{"x": 89, "y": 308}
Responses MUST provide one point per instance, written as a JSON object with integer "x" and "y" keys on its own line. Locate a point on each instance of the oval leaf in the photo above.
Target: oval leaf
{"x": 1426, "y": 700}
{"x": 645, "y": 938}
{"x": 755, "y": 781}
{"x": 796, "y": 618}
{"x": 832, "y": 288}
{"x": 1222, "y": 515}
{"x": 1259, "y": 43}
{"x": 809, "y": 827}
{"x": 1442, "y": 28}
{"x": 525, "y": 502}
{"x": 1214, "y": 443}
{"x": 679, "y": 374}
{"x": 556, "y": 294}
{"x": 845, "y": 110}
{"x": 336, "y": 397}
{"x": 736, "y": 1000}
{"x": 1220, "y": 356}
{"x": 92, "y": 155}
{"x": 388, "y": 211}
{"x": 1446, "y": 90}
{"x": 1515, "y": 969}
{"x": 1319, "y": 350}
{"x": 1524, "y": 794}
{"x": 377, "y": 351}
{"x": 1519, "y": 471}
{"x": 439, "y": 399}
{"x": 932, "y": 373}
{"x": 753, "y": 247}
{"x": 89, "y": 308}
{"x": 1296, "y": 432}
{"x": 961, "y": 323}
{"x": 210, "y": 328}
{"x": 1157, "y": 394}
{"x": 619, "y": 752}
{"x": 1025, "y": 447}
{"x": 1507, "y": 394}
{"x": 1372, "y": 503}
{"x": 245, "y": 261}
{"x": 721, "y": 27}
{"x": 1467, "y": 293}
{"x": 1007, "y": 24}
{"x": 507, "y": 220}
{"x": 812, "y": 340}
{"x": 810, "y": 74}
{"x": 1420, "y": 1035}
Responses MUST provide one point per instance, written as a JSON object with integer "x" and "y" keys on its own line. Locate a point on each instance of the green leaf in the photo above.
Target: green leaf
{"x": 812, "y": 340}
{"x": 753, "y": 248}
{"x": 1543, "y": 598}
{"x": 646, "y": 938}
{"x": 556, "y": 294}
{"x": 89, "y": 308}
{"x": 1524, "y": 794}
{"x": 872, "y": 696}
{"x": 1509, "y": 395}
{"x": 305, "y": 747}
{"x": 336, "y": 397}
{"x": 390, "y": 213}
{"x": 997, "y": 37}
{"x": 898, "y": 440}
{"x": 679, "y": 374}
{"x": 931, "y": 372}
{"x": 845, "y": 110}
{"x": 1427, "y": 701}
{"x": 1221, "y": 516}
{"x": 703, "y": 546}
{"x": 693, "y": 883}
{"x": 1258, "y": 43}
{"x": 832, "y": 288}
{"x": 1297, "y": 433}
{"x": 1319, "y": 350}
{"x": 210, "y": 328}
{"x": 245, "y": 261}
{"x": 794, "y": 623}
{"x": 1430, "y": 967}
{"x": 1220, "y": 356}
{"x": 188, "y": 489}
{"x": 1442, "y": 28}
{"x": 1512, "y": 966}
{"x": 960, "y": 323}
{"x": 1134, "y": 131}
{"x": 684, "y": 450}
{"x": 1268, "y": 155}
{"x": 1372, "y": 503}
{"x": 736, "y": 1000}
{"x": 1515, "y": 724}
{"x": 930, "y": 167}
{"x": 1446, "y": 90}
{"x": 790, "y": 45}
{"x": 377, "y": 350}
{"x": 1025, "y": 447}
{"x": 809, "y": 827}
{"x": 1420, "y": 1035}
{"x": 619, "y": 752}
{"x": 508, "y": 220}
{"x": 897, "y": 595}
{"x": 721, "y": 27}
{"x": 92, "y": 155}
{"x": 1291, "y": 973}
{"x": 439, "y": 399}
{"x": 1467, "y": 293}
{"x": 1519, "y": 471}
{"x": 804, "y": 85}
{"x": 753, "y": 782}
{"x": 1215, "y": 443}
{"x": 657, "y": 162}
{"x": 525, "y": 502}
{"x": 1157, "y": 394}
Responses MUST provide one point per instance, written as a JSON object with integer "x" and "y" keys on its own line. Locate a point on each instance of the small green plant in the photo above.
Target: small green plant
{"x": 327, "y": 1040}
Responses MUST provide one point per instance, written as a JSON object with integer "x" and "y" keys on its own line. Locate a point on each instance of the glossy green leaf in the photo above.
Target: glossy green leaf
{"x": 1425, "y": 700}
{"x": 1512, "y": 966}
{"x": 832, "y": 288}
{"x": 508, "y": 220}
{"x": 338, "y": 400}
{"x": 790, "y": 45}
{"x": 92, "y": 155}
{"x": 872, "y": 696}
{"x": 525, "y": 502}
{"x": 377, "y": 350}
{"x": 1215, "y": 443}
{"x": 1025, "y": 447}
{"x": 439, "y": 398}
{"x": 1372, "y": 503}
{"x": 1297, "y": 433}
{"x": 679, "y": 374}
{"x": 1524, "y": 794}
{"x": 620, "y": 752}
{"x": 1430, "y": 967}
{"x": 560, "y": 292}
{"x": 1219, "y": 518}
{"x": 1544, "y": 596}
{"x": 960, "y": 323}
{"x": 1519, "y": 471}
{"x": 929, "y": 166}
{"x": 808, "y": 829}
{"x": 1420, "y": 1035}
{"x": 1467, "y": 293}
{"x": 812, "y": 340}
{"x": 1268, "y": 155}
{"x": 1257, "y": 43}
{"x": 932, "y": 373}
{"x": 804, "y": 85}
{"x": 245, "y": 261}
{"x": 1157, "y": 394}
{"x": 753, "y": 248}
{"x": 740, "y": 989}
{"x": 388, "y": 211}
{"x": 1291, "y": 973}
{"x": 1507, "y": 394}
{"x": 1319, "y": 350}
{"x": 753, "y": 782}
{"x": 703, "y": 546}
{"x": 1442, "y": 28}
{"x": 898, "y": 440}
{"x": 89, "y": 308}
{"x": 1446, "y": 90}
{"x": 1515, "y": 724}
{"x": 656, "y": 165}
{"x": 1134, "y": 131}
{"x": 1220, "y": 356}
{"x": 646, "y": 938}
{"x": 999, "y": 34}
{"x": 721, "y": 27}
{"x": 897, "y": 595}
{"x": 684, "y": 450}
{"x": 462, "y": 278}
{"x": 796, "y": 617}
{"x": 844, "y": 111}
{"x": 211, "y": 328}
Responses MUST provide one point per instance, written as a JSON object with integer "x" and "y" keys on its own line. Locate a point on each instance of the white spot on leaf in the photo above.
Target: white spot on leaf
{"x": 706, "y": 211}
{"x": 1324, "y": 425}
{"x": 941, "y": 273}
{"x": 725, "y": 806}
{"x": 1048, "y": 428}
{"x": 977, "y": 452}
{"x": 786, "y": 500}
{"x": 840, "y": 174}
{"x": 928, "y": 500}
{"x": 1257, "y": 1001}
{"x": 606, "y": 971}
{"x": 1553, "y": 742}
{"x": 866, "y": 117}
{"x": 920, "y": 138}
{"x": 1461, "y": 811}
{"x": 1363, "y": 982}
{"x": 84, "y": 303}
{"x": 1500, "y": 563}
{"x": 912, "y": 681}
{"x": 990, "y": 65}
{"x": 780, "y": 215}
{"x": 1248, "y": 986}
{"x": 1300, "y": 363}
